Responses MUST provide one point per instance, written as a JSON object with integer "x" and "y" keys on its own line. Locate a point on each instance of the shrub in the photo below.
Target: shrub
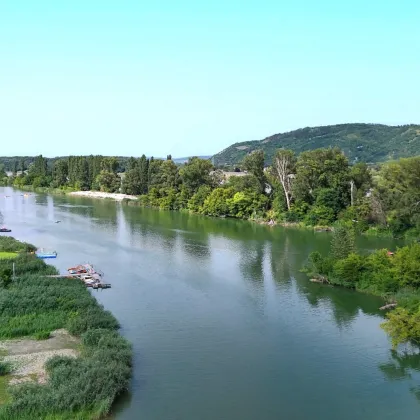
{"x": 5, "y": 368}
{"x": 42, "y": 335}
{"x": 347, "y": 271}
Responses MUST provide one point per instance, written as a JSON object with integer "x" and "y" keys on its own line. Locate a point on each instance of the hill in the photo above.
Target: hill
{"x": 360, "y": 142}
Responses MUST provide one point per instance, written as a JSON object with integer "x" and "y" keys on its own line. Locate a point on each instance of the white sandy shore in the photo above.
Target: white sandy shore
{"x": 98, "y": 194}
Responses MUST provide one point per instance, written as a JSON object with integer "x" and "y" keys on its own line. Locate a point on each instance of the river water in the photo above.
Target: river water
{"x": 223, "y": 323}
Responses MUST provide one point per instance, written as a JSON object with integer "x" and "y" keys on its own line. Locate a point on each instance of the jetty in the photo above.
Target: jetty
{"x": 89, "y": 275}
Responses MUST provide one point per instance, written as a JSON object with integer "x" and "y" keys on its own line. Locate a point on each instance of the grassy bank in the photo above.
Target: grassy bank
{"x": 33, "y": 306}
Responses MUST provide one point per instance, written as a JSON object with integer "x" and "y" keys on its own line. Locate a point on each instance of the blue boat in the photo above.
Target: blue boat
{"x": 46, "y": 254}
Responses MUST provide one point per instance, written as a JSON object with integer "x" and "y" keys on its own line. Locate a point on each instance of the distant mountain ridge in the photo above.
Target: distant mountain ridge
{"x": 360, "y": 142}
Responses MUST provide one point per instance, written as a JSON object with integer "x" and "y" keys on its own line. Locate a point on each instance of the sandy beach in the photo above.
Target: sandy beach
{"x": 99, "y": 194}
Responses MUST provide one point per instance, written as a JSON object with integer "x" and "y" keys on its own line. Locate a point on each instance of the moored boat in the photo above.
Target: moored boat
{"x": 4, "y": 230}
{"x": 46, "y": 254}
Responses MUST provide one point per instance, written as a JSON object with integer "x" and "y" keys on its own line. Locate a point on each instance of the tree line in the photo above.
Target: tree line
{"x": 315, "y": 188}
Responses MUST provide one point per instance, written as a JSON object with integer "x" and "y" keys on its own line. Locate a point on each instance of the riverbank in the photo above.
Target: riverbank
{"x": 57, "y": 343}
{"x": 103, "y": 195}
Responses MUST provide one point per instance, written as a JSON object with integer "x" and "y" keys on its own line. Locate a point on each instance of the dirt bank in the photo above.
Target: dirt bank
{"x": 28, "y": 357}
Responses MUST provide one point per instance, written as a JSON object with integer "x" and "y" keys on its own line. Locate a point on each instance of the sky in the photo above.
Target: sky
{"x": 192, "y": 77}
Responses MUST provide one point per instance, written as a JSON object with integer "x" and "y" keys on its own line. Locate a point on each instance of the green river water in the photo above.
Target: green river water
{"x": 223, "y": 324}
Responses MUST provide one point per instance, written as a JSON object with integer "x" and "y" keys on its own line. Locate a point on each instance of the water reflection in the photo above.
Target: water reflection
{"x": 404, "y": 366}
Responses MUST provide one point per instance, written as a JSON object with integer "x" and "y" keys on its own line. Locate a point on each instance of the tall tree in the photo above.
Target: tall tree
{"x": 322, "y": 169}
{"x": 284, "y": 166}
{"x": 342, "y": 242}
{"x": 196, "y": 172}
{"x": 60, "y": 172}
{"x": 254, "y": 163}
{"x": 143, "y": 174}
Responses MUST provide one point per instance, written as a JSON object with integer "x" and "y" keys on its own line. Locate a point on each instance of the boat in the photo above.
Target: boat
{"x": 4, "y": 230}
{"x": 46, "y": 254}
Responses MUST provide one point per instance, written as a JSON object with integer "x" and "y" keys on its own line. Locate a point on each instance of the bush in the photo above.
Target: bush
{"x": 42, "y": 335}
{"x": 347, "y": 271}
{"x": 216, "y": 203}
{"x": 5, "y": 368}
{"x": 320, "y": 215}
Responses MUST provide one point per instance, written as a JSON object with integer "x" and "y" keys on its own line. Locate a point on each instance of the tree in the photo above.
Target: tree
{"x": 132, "y": 183}
{"x": 321, "y": 168}
{"x": 143, "y": 173}
{"x": 109, "y": 164}
{"x": 216, "y": 204}
{"x": 60, "y": 172}
{"x": 15, "y": 167}
{"x": 108, "y": 182}
{"x": 254, "y": 163}
{"x": 131, "y": 164}
{"x": 342, "y": 242}
{"x": 284, "y": 166}
{"x": 195, "y": 173}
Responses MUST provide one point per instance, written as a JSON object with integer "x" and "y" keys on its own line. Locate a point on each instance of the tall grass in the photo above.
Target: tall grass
{"x": 82, "y": 388}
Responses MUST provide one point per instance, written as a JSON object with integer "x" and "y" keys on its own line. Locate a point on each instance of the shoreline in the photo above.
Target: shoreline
{"x": 103, "y": 195}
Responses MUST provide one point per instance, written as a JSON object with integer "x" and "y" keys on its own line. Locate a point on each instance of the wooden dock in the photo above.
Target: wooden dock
{"x": 90, "y": 276}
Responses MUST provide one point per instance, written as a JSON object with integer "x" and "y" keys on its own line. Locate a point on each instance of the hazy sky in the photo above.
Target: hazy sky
{"x": 192, "y": 77}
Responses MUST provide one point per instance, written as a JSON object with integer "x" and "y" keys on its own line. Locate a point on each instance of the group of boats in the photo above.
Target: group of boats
{"x": 89, "y": 275}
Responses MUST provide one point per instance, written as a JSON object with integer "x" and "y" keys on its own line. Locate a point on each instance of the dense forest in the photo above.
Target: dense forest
{"x": 369, "y": 143}
{"x": 315, "y": 188}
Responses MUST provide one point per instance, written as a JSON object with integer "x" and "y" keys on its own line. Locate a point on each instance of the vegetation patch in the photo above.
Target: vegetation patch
{"x": 57, "y": 375}
{"x": 7, "y": 255}
{"x": 392, "y": 275}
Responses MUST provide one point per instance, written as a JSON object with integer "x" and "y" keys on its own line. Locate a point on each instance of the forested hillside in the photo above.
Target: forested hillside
{"x": 360, "y": 142}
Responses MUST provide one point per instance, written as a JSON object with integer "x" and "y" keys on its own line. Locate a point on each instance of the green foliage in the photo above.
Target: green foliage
{"x": 196, "y": 173}
{"x": 320, "y": 215}
{"x": 242, "y": 183}
{"x": 82, "y": 388}
{"x": 216, "y": 204}
{"x": 396, "y": 276}
{"x": 297, "y": 212}
{"x": 254, "y": 163}
{"x": 247, "y": 204}
{"x": 9, "y": 244}
{"x": 347, "y": 271}
{"x": 342, "y": 242}
{"x": 319, "y": 265}
{"x": 195, "y": 204}
{"x": 5, "y": 368}
{"x": 407, "y": 264}
{"x": 108, "y": 181}
{"x": 403, "y": 326}
{"x": 42, "y": 335}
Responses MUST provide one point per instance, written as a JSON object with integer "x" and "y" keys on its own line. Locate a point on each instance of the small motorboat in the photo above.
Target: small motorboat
{"x": 46, "y": 254}
{"x": 4, "y": 230}
{"x": 57, "y": 221}
{"x": 77, "y": 270}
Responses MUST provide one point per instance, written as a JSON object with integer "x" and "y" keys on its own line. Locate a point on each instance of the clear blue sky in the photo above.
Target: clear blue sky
{"x": 192, "y": 77}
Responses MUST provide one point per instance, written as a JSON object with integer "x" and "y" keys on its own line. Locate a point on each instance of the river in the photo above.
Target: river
{"x": 223, "y": 324}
